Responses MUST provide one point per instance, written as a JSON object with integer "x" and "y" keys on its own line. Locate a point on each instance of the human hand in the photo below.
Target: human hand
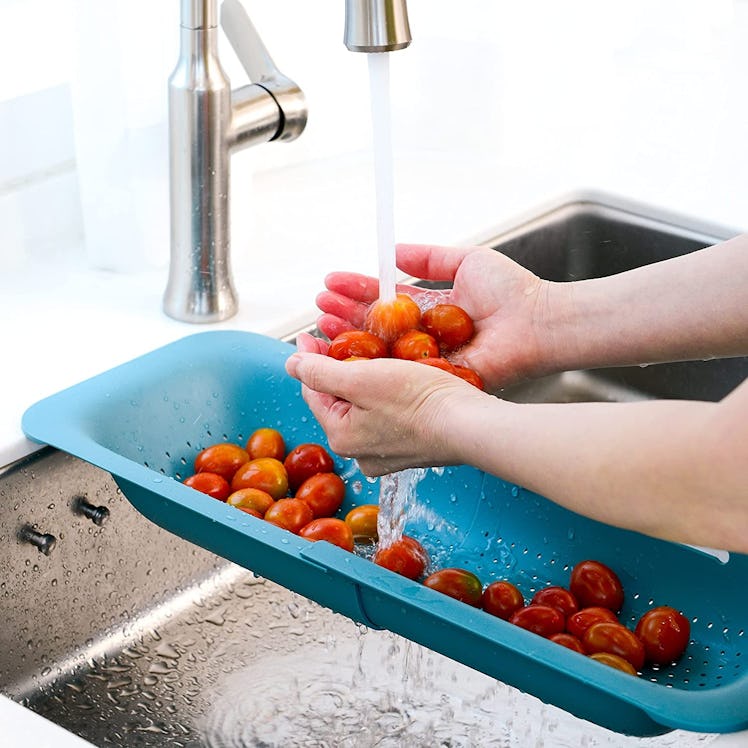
{"x": 386, "y": 413}
{"x": 505, "y": 301}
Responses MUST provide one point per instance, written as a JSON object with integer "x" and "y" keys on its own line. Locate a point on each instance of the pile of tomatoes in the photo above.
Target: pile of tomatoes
{"x": 398, "y": 329}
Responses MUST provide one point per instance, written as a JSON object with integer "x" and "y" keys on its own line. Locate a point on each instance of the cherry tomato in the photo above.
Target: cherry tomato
{"x": 324, "y": 492}
{"x": 569, "y": 641}
{"x": 306, "y": 460}
{"x": 415, "y": 344}
{"x": 405, "y": 556}
{"x": 222, "y": 459}
{"x": 363, "y": 521}
{"x": 331, "y": 529}
{"x": 614, "y": 638}
{"x": 391, "y": 319}
{"x": 540, "y": 619}
{"x": 596, "y": 585}
{"x": 556, "y": 597}
{"x": 266, "y": 442}
{"x": 211, "y": 483}
{"x": 578, "y": 623}
{"x": 357, "y": 344}
{"x": 665, "y": 632}
{"x": 439, "y": 363}
{"x": 615, "y": 661}
{"x": 449, "y": 324}
{"x": 251, "y": 498}
{"x": 460, "y": 584}
{"x": 502, "y": 599}
{"x": 469, "y": 376}
{"x": 265, "y": 473}
{"x": 249, "y": 510}
{"x": 290, "y": 514}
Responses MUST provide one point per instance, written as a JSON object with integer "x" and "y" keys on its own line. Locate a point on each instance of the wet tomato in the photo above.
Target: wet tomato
{"x": 266, "y": 442}
{"x": 222, "y": 459}
{"x": 556, "y": 597}
{"x": 405, "y": 556}
{"x": 210, "y": 483}
{"x": 249, "y": 510}
{"x": 324, "y": 492}
{"x": 460, "y": 584}
{"x": 439, "y": 363}
{"x": 363, "y": 521}
{"x": 306, "y": 460}
{"x": 450, "y": 324}
{"x": 469, "y": 375}
{"x": 664, "y": 632}
{"x": 614, "y": 638}
{"x": 391, "y": 319}
{"x": 251, "y": 498}
{"x": 502, "y": 599}
{"x": 540, "y": 619}
{"x": 577, "y": 623}
{"x": 331, "y": 529}
{"x": 290, "y": 514}
{"x": 614, "y": 661}
{"x": 354, "y": 344}
{"x": 569, "y": 641}
{"x": 596, "y": 585}
{"x": 265, "y": 473}
{"x": 415, "y": 344}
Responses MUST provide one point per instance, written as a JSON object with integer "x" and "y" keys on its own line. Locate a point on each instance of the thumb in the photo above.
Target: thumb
{"x": 321, "y": 373}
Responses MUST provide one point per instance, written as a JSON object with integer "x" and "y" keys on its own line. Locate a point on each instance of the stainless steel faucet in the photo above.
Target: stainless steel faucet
{"x": 208, "y": 121}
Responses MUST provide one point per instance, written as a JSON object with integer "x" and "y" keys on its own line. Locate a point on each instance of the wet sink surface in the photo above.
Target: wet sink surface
{"x": 129, "y": 636}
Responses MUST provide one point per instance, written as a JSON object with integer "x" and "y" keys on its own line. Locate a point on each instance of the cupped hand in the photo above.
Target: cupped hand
{"x": 506, "y": 301}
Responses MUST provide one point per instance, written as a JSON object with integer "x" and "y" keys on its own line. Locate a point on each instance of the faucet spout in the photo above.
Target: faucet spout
{"x": 376, "y": 25}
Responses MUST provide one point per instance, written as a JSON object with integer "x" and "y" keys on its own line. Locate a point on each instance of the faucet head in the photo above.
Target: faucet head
{"x": 376, "y": 25}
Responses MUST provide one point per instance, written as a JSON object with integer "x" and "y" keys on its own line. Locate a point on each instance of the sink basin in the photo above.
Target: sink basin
{"x": 128, "y": 635}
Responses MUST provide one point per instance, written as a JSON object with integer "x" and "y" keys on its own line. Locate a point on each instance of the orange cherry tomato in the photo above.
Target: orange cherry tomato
{"x": 324, "y": 492}
{"x": 306, "y": 460}
{"x": 665, "y": 632}
{"x": 614, "y": 638}
{"x": 251, "y": 498}
{"x": 450, "y": 324}
{"x": 290, "y": 514}
{"x": 222, "y": 459}
{"x": 415, "y": 344}
{"x": 569, "y": 641}
{"x": 354, "y": 344}
{"x": 266, "y": 442}
{"x": 596, "y": 585}
{"x": 391, "y": 319}
{"x": 331, "y": 529}
{"x": 502, "y": 599}
{"x": 460, "y": 584}
{"x": 439, "y": 363}
{"x": 363, "y": 521}
{"x": 614, "y": 661}
{"x": 469, "y": 375}
{"x": 265, "y": 473}
{"x": 249, "y": 510}
{"x": 210, "y": 483}
{"x": 405, "y": 556}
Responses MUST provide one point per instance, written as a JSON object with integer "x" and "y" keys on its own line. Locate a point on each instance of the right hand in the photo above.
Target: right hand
{"x": 505, "y": 300}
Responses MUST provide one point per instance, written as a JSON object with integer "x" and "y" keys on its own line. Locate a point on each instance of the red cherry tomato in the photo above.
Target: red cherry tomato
{"x": 415, "y": 344}
{"x": 460, "y": 584}
{"x": 249, "y": 510}
{"x": 569, "y": 641}
{"x": 363, "y": 521}
{"x": 266, "y": 442}
{"x": 614, "y": 638}
{"x": 357, "y": 344}
{"x": 665, "y": 632}
{"x": 540, "y": 619}
{"x": 502, "y": 599}
{"x": 556, "y": 597}
{"x": 578, "y": 623}
{"x": 614, "y": 661}
{"x": 210, "y": 483}
{"x": 391, "y": 319}
{"x": 306, "y": 460}
{"x": 439, "y": 363}
{"x": 251, "y": 498}
{"x": 596, "y": 585}
{"x": 469, "y": 376}
{"x": 450, "y": 324}
{"x": 324, "y": 492}
{"x": 265, "y": 473}
{"x": 405, "y": 556}
{"x": 222, "y": 459}
{"x": 331, "y": 529}
{"x": 290, "y": 514}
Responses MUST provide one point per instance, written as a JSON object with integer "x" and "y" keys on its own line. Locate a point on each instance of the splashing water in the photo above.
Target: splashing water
{"x": 397, "y": 492}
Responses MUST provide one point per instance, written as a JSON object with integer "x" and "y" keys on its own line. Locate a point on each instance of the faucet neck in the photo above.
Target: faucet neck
{"x": 199, "y": 14}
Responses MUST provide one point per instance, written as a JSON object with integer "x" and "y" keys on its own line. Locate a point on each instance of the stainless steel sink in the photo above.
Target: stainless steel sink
{"x": 129, "y": 636}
